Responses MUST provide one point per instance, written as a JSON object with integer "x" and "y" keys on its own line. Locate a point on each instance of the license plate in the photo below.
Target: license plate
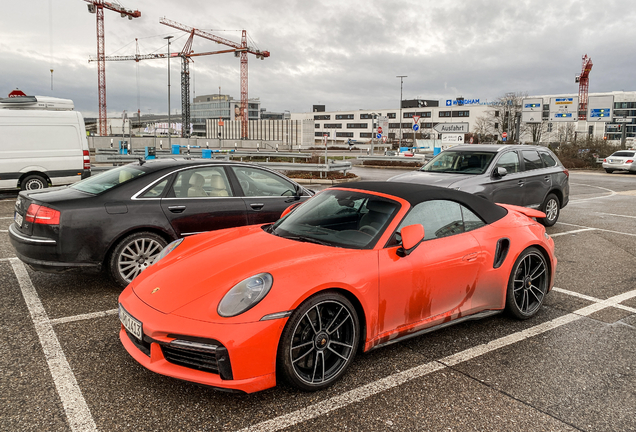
{"x": 616, "y": 161}
{"x": 18, "y": 219}
{"x": 130, "y": 323}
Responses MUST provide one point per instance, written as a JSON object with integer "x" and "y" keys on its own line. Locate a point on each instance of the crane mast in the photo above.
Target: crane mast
{"x": 584, "y": 84}
{"x": 97, "y": 7}
{"x": 240, "y": 50}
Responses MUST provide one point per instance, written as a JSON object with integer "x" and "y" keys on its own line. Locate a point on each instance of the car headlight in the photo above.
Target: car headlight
{"x": 167, "y": 250}
{"x": 245, "y": 295}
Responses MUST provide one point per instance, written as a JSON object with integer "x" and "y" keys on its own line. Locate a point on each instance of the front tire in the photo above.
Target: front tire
{"x": 528, "y": 284}
{"x": 34, "y": 182}
{"x": 134, "y": 254}
{"x": 552, "y": 208}
{"x": 319, "y": 341}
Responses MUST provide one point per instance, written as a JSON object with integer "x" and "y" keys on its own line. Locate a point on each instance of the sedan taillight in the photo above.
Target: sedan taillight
{"x": 567, "y": 173}
{"x": 87, "y": 160}
{"x": 604, "y": 160}
{"x": 42, "y": 215}
{"x": 629, "y": 161}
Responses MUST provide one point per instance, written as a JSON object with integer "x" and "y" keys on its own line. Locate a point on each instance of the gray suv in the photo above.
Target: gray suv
{"x": 524, "y": 175}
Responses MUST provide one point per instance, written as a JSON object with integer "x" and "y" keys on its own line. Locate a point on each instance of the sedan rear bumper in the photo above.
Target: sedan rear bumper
{"x": 620, "y": 167}
{"x": 40, "y": 254}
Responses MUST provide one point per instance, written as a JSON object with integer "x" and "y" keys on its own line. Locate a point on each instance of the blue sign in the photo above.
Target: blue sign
{"x": 563, "y": 115}
{"x": 504, "y": 139}
{"x": 450, "y": 102}
{"x": 378, "y": 136}
{"x": 416, "y": 127}
{"x": 557, "y": 100}
{"x": 600, "y": 112}
{"x": 532, "y": 106}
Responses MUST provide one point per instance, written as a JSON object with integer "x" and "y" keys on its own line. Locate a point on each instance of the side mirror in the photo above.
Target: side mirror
{"x": 500, "y": 172}
{"x": 299, "y": 192}
{"x": 411, "y": 235}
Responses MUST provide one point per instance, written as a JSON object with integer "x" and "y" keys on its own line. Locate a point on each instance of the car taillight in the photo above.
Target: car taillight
{"x": 567, "y": 173}
{"x": 42, "y": 215}
{"x": 604, "y": 160}
{"x": 629, "y": 161}
{"x": 87, "y": 160}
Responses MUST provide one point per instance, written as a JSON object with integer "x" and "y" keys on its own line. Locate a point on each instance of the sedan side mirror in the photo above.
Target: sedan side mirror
{"x": 500, "y": 172}
{"x": 411, "y": 235}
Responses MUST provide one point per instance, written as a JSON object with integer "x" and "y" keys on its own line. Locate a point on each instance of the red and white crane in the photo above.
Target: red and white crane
{"x": 584, "y": 84}
{"x": 240, "y": 50}
{"x": 97, "y": 7}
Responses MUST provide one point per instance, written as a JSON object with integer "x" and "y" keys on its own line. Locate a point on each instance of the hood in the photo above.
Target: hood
{"x": 430, "y": 178}
{"x": 210, "y": 264}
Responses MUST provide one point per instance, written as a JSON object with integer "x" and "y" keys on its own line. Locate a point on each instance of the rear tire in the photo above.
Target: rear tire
{"x": 552, "y": 208}
{"x": 528, "y": 284}
{"x": 134, "y": 254}
{"x": 34, "y": 182}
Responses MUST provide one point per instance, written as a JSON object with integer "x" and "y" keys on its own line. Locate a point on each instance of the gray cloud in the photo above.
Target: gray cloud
{"x": 345, "y": 54}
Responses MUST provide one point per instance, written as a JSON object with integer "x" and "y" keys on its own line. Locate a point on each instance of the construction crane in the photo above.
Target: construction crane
{"x": 584, "y": 83}
{"x": 97, "y": 7}
{"x": 185, "y": 54}
{"x": 240, "y": 50}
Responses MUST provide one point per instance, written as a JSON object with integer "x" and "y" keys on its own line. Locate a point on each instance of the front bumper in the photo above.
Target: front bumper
{"x": 250, "y": 348}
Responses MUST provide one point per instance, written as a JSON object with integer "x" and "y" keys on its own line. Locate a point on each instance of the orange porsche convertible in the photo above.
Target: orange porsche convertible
{"x": 352, "y": 269}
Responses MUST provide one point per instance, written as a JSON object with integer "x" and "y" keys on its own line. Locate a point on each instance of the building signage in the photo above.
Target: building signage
{"x": 564, "y": 109}
{"x": 451, "y": 102}
{"x": 599, "y": 108}
{"x": 446, "y": 128}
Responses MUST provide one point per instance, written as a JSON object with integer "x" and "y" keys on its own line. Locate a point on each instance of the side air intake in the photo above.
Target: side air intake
{"x": 503, "y": 245}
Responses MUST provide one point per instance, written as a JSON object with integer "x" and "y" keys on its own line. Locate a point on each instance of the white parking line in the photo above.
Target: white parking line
{"x": 593, "y": 299}
{"x": 77, "y": 413}
{"x": 574, "y": 201}
{"x": 596, "y": 229}
{"x": 572, "y": 232}
{"x": 612, "y": 214}
{"x": 84, "y": 316}
{"x": 394, "y": 380}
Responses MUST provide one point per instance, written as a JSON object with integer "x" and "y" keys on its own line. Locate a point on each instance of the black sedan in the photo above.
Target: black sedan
{"x": 121, "y": 219}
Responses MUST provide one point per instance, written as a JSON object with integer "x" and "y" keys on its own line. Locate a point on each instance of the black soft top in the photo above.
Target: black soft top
{"x": 417, "y": 193}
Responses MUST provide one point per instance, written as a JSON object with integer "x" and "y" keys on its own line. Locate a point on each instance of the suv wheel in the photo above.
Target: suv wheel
{"x": 552, "y": 208}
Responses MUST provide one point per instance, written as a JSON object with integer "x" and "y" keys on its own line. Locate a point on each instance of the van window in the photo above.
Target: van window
{"x": 109, "y": 179}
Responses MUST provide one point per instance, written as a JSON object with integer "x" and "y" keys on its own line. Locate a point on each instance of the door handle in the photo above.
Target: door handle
{"x": 257, "y": 206}
{"x": 177, "y": 209}
{"x": 520, "y": 183}
{"x": 470, "y": 257}
{"x": 546, "y": 178}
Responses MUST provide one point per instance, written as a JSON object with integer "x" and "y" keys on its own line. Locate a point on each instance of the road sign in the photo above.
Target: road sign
{"x": 379, "y": 129}
{"x": 621, "y": 119}
{"x": 378, "y": 136}
{"x": 471, "y": 140}
{"x": 599, "y": 108}
{"x": 416, "y": 118}
{"x": 416, "y": 127}
{"x": 505, "y": 134}
{"x": 564, "y": 109}
{"x": 453, "y": 138}
{"x": 532, "y": 110}
{"x": 504, "y": 139}
{"x": 445, "y": 128}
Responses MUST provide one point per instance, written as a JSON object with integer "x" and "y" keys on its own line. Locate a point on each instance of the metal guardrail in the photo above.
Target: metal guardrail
{"x": 331, "y": 166}
{"x": 415, "y": 158}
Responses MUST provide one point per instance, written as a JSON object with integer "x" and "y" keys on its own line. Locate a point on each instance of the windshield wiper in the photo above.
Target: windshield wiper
{"x": 308, "y": 240}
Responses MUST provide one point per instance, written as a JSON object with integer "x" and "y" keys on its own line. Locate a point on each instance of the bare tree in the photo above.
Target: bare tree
{"x": 504, "y": 112}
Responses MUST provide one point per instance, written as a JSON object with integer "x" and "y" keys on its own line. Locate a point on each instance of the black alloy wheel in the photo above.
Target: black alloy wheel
{"x": 34, "y": 182}
{"x": 319, "y": 341}
{"x": 552, "y": 208}
{"x": 528, "y": 284}
{"x": 134, "y": 254}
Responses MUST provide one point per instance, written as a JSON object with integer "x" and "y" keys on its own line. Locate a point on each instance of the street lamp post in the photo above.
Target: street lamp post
{"x": 169, "y": 123}
{"x": 401, "y": 77}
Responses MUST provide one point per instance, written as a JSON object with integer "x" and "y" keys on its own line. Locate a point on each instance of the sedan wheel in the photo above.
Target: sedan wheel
{"x": 551, "y": 208}
{"x": 134, "y": 254}
{"x": 319, "y": 341}
{"x": 528, "y": 284}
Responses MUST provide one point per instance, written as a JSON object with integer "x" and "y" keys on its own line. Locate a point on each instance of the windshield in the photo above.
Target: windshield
{"x": 461, "y": 162}
{"x": 338, "y": 218}
{"x": 624, "y": 153}
{"x": 108, "y": 179}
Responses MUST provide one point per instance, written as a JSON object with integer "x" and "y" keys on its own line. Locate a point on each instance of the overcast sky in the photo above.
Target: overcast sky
{"x": 344, "y": 54}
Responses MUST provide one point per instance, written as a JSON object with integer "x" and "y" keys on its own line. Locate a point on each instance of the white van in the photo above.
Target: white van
{"x": 39, "y": 147}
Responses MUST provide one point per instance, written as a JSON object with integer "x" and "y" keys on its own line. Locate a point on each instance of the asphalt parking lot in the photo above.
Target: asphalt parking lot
{"x": 570, "y": 368}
